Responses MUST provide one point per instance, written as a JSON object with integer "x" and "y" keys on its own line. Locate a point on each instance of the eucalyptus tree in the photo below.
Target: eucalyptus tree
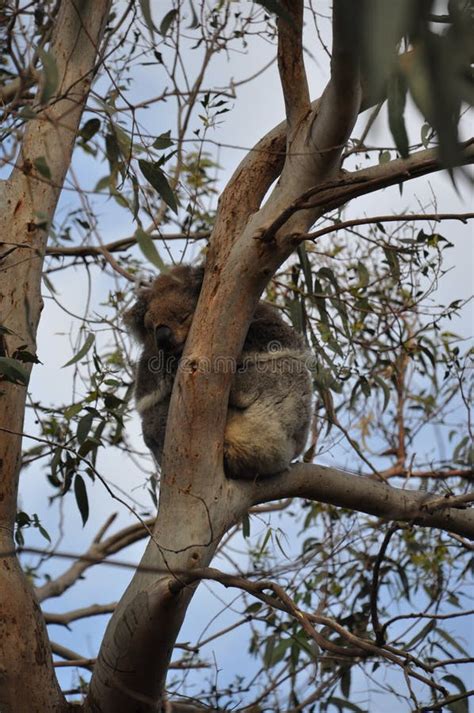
{"x": 380, "y": 544}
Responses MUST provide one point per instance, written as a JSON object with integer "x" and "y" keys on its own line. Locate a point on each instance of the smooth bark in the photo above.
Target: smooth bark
{"x": 197, "y": 504}
{"x": 27, "y": 203}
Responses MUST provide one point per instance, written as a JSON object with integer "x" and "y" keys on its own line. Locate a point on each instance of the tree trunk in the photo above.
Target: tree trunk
{"x": 27, "y": 203}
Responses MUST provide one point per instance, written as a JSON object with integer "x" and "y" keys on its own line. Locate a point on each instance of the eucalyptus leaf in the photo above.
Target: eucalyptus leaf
{"x": 42, "y": 167}
{"x": 158, "y": 180}
{"x": 167, "y": 21}
{"x": 89, "y": 129}
{"x": 82, "y": 351}
{"x": 81, "y": 497}
{"x": 146, "y": 12}
{"x": 50, "y": 77}
{"x": 13, "y": 370}
{"x": 397, "y": 90}
{"x": 276, "y": 8}
{"x": 163, "y": 141}
{"x": 148, "y": 248}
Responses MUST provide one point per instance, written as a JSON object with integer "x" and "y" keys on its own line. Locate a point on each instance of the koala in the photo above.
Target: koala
{"x": 270, "y": 398}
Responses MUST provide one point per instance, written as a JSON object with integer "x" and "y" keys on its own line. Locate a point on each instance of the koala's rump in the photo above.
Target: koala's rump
{"x": 268, "y": 417}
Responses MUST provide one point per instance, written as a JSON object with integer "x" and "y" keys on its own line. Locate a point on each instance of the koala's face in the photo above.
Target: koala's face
{"x": 168, "y": 316}
{"x": 162, "y": 316}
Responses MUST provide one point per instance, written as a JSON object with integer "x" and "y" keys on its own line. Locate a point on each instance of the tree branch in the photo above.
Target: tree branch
{"x": 361, "y": 493}
{"x": 17, "y": 86}
{"x": 405, "y": 218}
{"x": 115, "y": 246}
{"x": 65, "y": 618}
{"x": 291, "y": 65}
{"x": 333, "y": 194}
{"x": 342, "y": 98}
{"x": 98, "y": 551}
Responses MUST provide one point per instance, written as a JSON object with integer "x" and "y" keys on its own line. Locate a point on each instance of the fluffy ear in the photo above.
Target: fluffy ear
{"x": 189, "y": 277}
{"x": 134, "y": 318}
{"x": 196, "y": 278}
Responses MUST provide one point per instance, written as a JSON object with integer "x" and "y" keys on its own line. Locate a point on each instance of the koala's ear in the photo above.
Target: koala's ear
{"x": 134, "y": 318}
{"x": 196, "y": 278}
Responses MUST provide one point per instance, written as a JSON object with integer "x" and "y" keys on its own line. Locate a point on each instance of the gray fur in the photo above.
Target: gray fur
{"x": 270, "y": 398}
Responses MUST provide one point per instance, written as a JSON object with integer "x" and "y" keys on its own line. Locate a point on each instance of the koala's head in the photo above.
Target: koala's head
{"x": 163, "y": 313}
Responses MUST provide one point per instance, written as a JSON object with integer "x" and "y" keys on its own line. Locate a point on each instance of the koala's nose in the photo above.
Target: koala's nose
{"x": 163, "y": 336}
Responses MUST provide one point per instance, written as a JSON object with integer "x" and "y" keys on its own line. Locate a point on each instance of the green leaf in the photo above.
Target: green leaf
{"x": 148, "y": 248}
{"x": 81, "y": 497}
{"x": 194, "y": 17}
{"x": 363, "y": 274}
{"x": 136, "y": 197}
{"x": 455, "y": 681}
{"x": 72, "y": 410}
{"x": 42, "y": 167}
{"x": 167, "y": 21}
{"x": 306, "y": 267}
{"x": 82, "y": 351}
{"x": 19, "y": 539}
{"x": 385, "y": 389}
{"x": 246, "y": 525}
{"x": 459, "y": 706}
{"x": 267, "y": 654}
{"x": 124, "y": 141}
{"x": 296, "y": 314}
{"x": 112, "y": 402}
{"x": 146, "y": 12}
{"x": 44, "y": 532}
{"x": 397, "y": 90}
{"x": 328, "y": 274}
{"x": 422, "y": 634}
{"x": 452, "y": 642}
{"x": 346, "y": 682}
{"x": 13, "y": 371}
{"x": 268, "y": 534}
{"x": 462, "y": 705}
{"x": 419, "y": 82}
{"x": 345, "y": 705}
{"x": 163, "y": 141}
{"x": 83, "y": 427}
{"x": 50, "y": 77}
{"x": 22, "y": 519}
{"x": 89, "y": 129}
{"x": 280, "y": 546}
{"x": 158, "y": 180}
{"x": 277, "y": 652}
{"x": 392, "y": 263}
{"x": 275, "y": 7}
{"x": 25, "y": 356}
{"x": 112, "y": 151}
{"x": 253, "y": 608}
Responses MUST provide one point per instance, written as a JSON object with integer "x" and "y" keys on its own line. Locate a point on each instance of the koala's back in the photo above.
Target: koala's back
{"x": 268, "y": 332}
{"x": 270, "y": 398}
{"x": 269, "y": 413}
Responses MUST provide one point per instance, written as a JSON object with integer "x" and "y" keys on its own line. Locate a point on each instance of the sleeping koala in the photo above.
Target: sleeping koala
{"x": 270, "y": 397}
